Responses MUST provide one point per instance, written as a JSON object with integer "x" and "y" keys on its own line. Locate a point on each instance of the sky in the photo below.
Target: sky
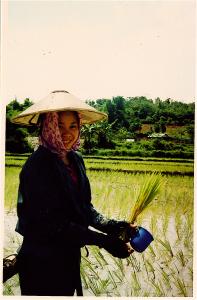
{"x": 98, "y": 49}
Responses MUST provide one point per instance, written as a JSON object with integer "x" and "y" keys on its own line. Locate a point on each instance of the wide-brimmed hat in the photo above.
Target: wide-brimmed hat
{"x": 59, "y": 101}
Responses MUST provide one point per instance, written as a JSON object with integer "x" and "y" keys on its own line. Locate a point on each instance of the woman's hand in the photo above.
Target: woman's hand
{"x": 116, "y": 247}
{"x": 130, "y": 230}
{"x": 129, "y": 248}
{"x": 133, "y": 228}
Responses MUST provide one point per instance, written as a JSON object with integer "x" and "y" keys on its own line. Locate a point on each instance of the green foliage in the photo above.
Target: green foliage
{"x": 16, "y": 136}
{"x": 142, "y": 153}
{"x": 138, "y": 110}
{"x": 156, "y": 128}
{"x": 125, "y": 119}
{"x": 97, "y": 135}
{"x": 14, "y": 107}
{"x": 145, "y": 148}
{"x": 162, "y": 123}
{"x": 190, "y": 131}
{"x": 88, "y": 134}
{"x": 135, "y": 125}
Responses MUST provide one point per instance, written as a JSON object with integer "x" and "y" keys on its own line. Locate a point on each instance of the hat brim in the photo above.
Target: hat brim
{"x": 59, "y": 101}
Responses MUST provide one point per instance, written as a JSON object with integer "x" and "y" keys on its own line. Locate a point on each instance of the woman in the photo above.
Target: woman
{"x": 54, "y": 204}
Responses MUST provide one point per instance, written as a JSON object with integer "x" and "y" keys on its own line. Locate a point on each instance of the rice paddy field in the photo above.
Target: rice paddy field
{"x": 165, "y": 268}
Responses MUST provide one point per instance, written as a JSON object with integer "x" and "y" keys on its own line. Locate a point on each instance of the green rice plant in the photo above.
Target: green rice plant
{"x": 158, "y": 288}
{"x": 181, "y": 258}
{"x": 84, "y": 277}
{"x": 8, "y": 290}
{"x": 119, "y": 276}
{"x": 174, "y": 269}
{"x": 119, "y": 271}
{"x": 188, "y": 243}
{"x": 102, "y": 258}
{"x": 129, "y": 292}
{"x": 166, "y": 278}
{"x": 104, "y": 283}
{"x": 150, "y": 269}
{"x": 178, "y": 226}
{"x": 111, "y": 195}
{"x": 112, "y": 279}
{"x": 99, "y": 257}
{"x": 135, "y": 263}
{"x": 190, "y": 271}
{"x": 133, "y": 166}
{"x": 91, "y": 280}
{"x": 180, "y": 285}
{"x": 145, "y": 196}
{"x": 89, "y": 265}
{"x": 98, "y": 287}
{"x": 153, "y": 225}
{"x": 11, "y": 285}
{"x": 135, "y": 282}
{"x": 120, "y": 265}
{"x": 165, "y": 222}
{"x": 145, "y": 265}
{"x": 94, "y": 286}
{"x": 188, "y": 234}
{"x": 152, "y": 252}
{"x": 167, "y": 246}
{"x": 146, "y": 294}
{"x": 11, "y": 188}
{"x": 189, "y": 224}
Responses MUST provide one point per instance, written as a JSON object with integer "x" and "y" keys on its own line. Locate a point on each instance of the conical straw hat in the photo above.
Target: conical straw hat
{"x": 59, "y": 101}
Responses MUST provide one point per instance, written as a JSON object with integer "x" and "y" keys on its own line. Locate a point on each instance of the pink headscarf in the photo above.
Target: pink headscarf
{"x": 50, "y": 136}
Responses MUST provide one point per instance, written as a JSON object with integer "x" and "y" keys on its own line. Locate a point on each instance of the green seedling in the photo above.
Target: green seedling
{"x": 180, "y": 284}
{"x": 145, "y": 196}
{"x": 158, "y": 288}
{"x": 181, "y": 258}
{"x": 135, "y": 282}
{"x": 167, "y": 246}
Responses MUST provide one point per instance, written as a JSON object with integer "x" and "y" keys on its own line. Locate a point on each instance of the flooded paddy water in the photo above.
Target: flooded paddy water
{"x": 164, "y": 269}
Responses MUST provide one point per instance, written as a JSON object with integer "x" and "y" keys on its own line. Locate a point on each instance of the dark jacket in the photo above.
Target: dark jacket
{"x": 54, "y": 212}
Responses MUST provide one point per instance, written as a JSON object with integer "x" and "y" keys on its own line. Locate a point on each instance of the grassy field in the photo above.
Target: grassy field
{"x": 125, "y": 164}
{"x": 166, "y": 267}
{"x": 168, "y": 168}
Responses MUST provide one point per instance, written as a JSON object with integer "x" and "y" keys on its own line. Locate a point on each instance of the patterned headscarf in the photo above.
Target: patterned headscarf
{"x": 50, "y": 136}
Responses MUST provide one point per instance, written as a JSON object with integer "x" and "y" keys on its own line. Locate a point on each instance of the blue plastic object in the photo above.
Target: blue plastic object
{"x": 141, "y": 240}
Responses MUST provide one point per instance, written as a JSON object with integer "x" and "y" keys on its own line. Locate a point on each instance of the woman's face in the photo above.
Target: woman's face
{"x": 69, "y": 128}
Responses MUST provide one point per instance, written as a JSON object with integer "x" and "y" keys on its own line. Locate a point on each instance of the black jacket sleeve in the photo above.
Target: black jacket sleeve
{"x": 109, "y": 226}
{"x": 96, "y": 219}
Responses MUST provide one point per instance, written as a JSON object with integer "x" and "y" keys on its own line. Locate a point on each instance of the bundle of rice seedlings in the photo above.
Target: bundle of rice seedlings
{"x": 145, "y": 195}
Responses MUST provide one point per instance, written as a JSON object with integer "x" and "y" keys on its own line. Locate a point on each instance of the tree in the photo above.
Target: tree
{"x": 120, "y": 115}
{"x": 156, "y": 128}
{"x": 97, "y": 135}
{"x": 27, "y": 103}
{"x": 111, "y": 111}
{"x": 162, "y": 124}
{"x": 135, "y": 125}
{"x": 104, "y": 134}
{"x": 88, "y": 133}
{"x": 190, "y": 131}
{"x": 16, "y": 136}
{"x": 132, "y": 112}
